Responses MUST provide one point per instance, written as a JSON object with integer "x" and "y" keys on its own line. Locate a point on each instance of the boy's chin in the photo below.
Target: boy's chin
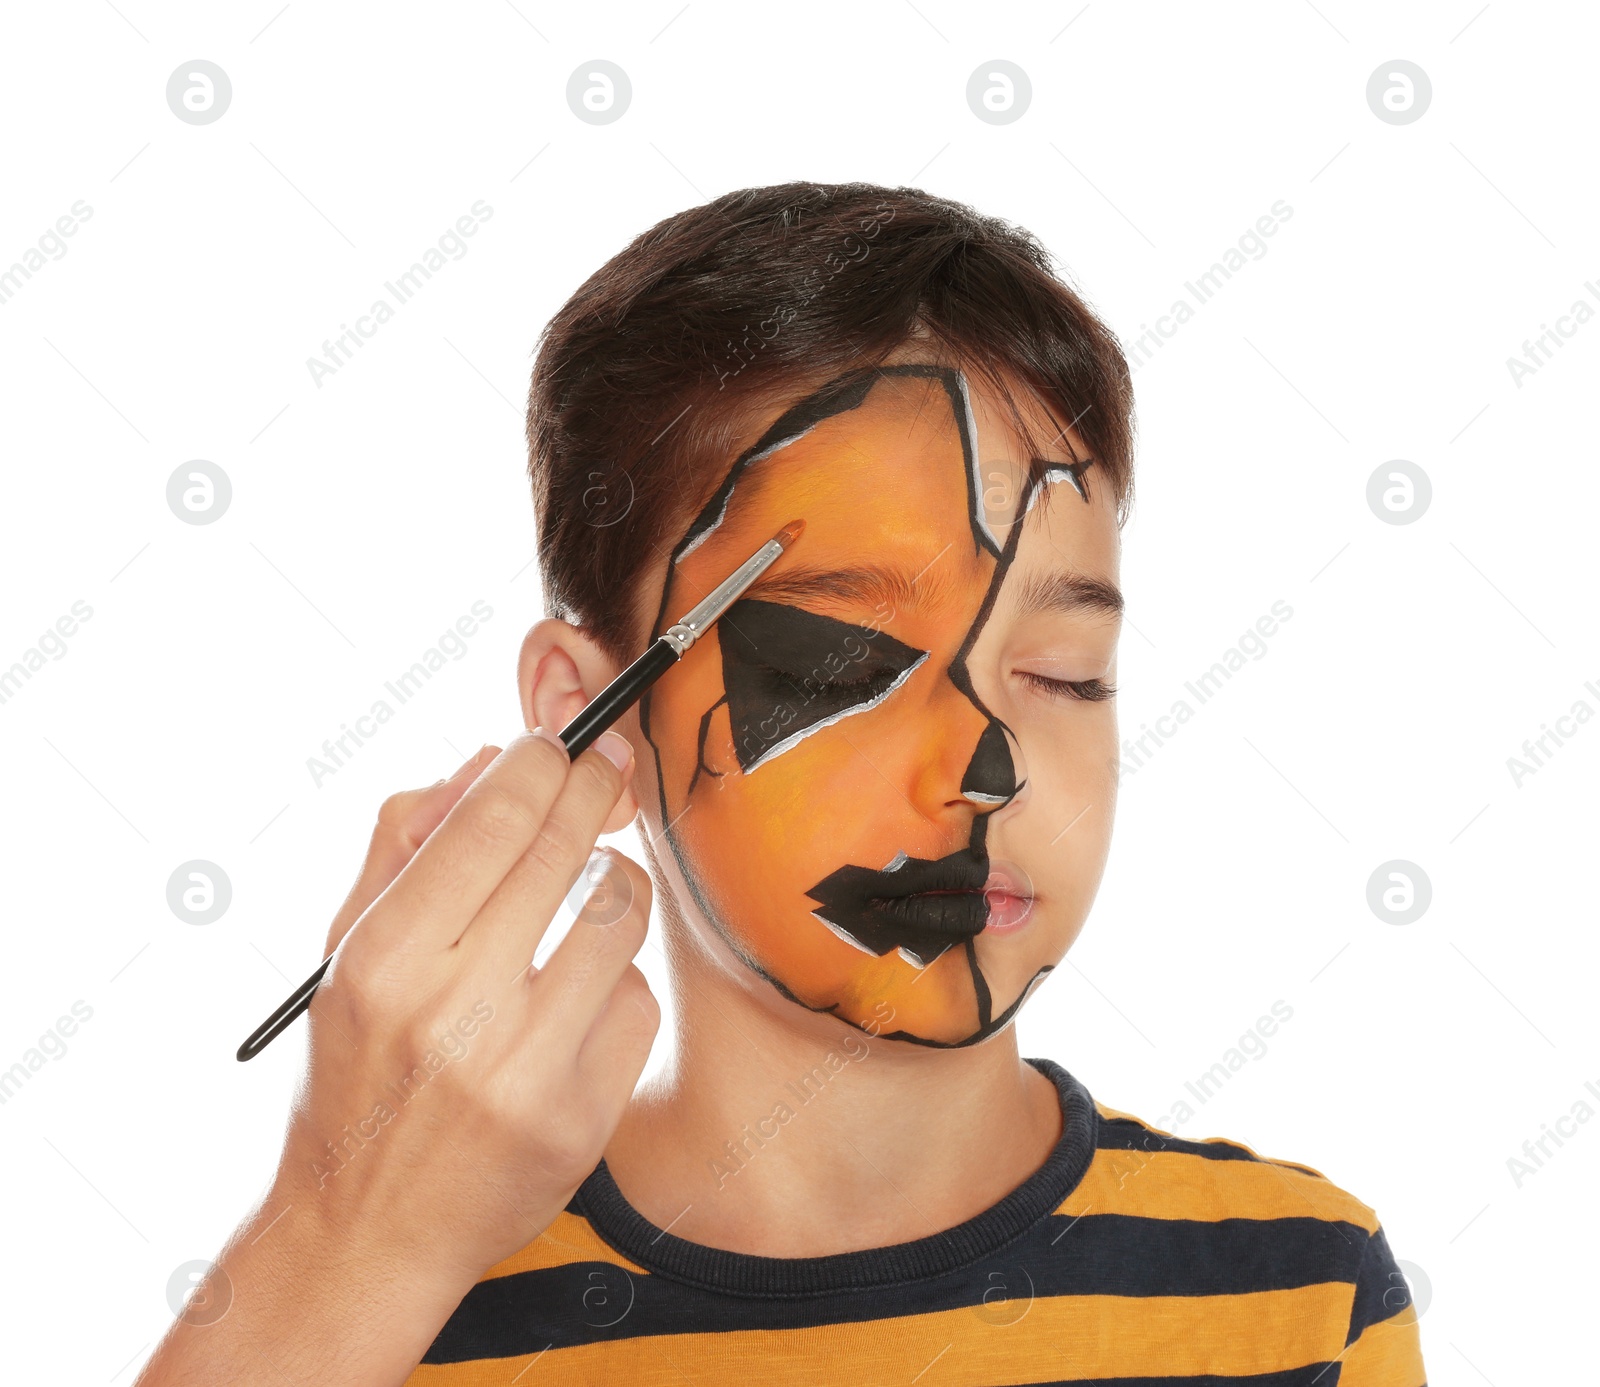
{"x": 889, "y": 997}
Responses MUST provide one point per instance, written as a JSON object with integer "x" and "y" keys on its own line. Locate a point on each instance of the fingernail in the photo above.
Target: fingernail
{"x": 616, "y": 749}
{"x": 550, "y": 736}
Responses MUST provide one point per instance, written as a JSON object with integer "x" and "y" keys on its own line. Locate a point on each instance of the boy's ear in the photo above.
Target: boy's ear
{"x": 559, "y": 670}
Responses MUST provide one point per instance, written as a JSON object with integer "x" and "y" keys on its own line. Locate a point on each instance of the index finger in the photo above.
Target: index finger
{"x": 513, "y": 921}
{"x": 489, "y": 828}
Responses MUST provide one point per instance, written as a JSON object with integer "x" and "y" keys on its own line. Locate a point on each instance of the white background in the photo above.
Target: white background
{"x": 368, "y": 514}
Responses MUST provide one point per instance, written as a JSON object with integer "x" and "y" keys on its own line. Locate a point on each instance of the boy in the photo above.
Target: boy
{"x": 876, "y": 808}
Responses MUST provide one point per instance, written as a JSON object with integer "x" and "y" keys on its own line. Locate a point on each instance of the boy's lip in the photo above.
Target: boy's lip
{"x": 919, "y": 905}
{"x": 924, "y": 906}
{"x": 1009, "y": 897}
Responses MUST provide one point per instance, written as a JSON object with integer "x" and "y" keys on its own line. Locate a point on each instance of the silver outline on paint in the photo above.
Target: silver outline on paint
{"x": 980, "y": 513}
{"x": 727, "y": 500}
{"x": 794, "y": 739}
{"x": 853, "y": 942}
{"x": 1055, "y": 472}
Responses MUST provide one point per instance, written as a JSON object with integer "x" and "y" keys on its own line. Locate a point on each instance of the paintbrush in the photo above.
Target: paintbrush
{"x": 578, "y": 735}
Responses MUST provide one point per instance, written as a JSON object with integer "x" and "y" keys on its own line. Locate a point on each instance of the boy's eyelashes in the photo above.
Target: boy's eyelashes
{"x": 865, "y": 682}
{"x": 1083, "y": 690}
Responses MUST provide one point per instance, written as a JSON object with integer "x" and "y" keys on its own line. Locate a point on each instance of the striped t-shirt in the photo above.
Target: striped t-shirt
{"x": 1131, "y": 1256}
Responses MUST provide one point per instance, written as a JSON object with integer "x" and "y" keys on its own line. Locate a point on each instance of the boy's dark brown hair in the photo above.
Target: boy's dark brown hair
{"x": 673, "y": 352}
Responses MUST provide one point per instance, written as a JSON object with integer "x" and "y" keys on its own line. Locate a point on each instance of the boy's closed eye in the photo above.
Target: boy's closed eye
{"x": 1083, "y": 690}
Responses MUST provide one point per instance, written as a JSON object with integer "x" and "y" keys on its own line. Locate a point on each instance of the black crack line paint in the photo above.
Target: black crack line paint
{"x": 999, "y": 1023}
{"x": 846, "y": 393}
{"x": 962, "y": 679}
{"x": 840, "y": 395}
{"x": 700, "y": 747}
{"x": 985, "y": 1003}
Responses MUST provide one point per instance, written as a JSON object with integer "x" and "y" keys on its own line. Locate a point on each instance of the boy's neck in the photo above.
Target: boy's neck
{"x": 799, "y": 1140}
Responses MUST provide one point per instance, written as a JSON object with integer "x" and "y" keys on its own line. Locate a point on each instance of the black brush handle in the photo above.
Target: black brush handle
{"x": 617, "y": 697}
{"x": 293, "y": 1005}
{"x": 577, "y": 736}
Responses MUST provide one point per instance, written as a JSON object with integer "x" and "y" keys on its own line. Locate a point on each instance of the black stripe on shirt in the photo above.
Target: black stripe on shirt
{"x": 1126, "y": 1134}
{"x": 1098, "y": 1254}
{"x": 1381, "y": 1289}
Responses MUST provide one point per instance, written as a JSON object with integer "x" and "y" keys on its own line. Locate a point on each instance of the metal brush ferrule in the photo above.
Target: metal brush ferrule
{"x": 684, "y": 633}
{"x": 680, "y": 638}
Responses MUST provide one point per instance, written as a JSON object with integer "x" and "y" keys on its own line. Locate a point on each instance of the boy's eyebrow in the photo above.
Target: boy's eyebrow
{"x": 869, "y": 584}
{"x": 1068, "y": 592}
{"x": 1065, "y": 591}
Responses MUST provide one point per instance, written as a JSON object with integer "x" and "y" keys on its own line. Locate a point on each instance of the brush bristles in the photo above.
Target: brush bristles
{"x": 790, "y": 532}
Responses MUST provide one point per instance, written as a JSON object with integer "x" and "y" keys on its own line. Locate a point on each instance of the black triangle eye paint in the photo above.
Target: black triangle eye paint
{"x": 789, "y": 671}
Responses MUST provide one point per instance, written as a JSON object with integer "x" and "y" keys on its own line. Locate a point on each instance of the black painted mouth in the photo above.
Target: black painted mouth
{"x": 923, "y": 906}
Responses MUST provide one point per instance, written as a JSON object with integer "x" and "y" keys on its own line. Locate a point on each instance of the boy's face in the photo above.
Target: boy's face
{"x": 886, "y": 777}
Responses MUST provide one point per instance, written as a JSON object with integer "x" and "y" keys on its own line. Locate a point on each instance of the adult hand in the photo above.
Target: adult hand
{"x": 455, "y": 1096}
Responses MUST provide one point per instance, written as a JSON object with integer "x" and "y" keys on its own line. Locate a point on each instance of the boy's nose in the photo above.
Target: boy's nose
{"x": 966, "y": 761}
{"x": 991, "y": 774}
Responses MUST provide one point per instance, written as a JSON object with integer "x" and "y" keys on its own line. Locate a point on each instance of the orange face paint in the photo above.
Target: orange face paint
{"x": 826, "y": 768}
